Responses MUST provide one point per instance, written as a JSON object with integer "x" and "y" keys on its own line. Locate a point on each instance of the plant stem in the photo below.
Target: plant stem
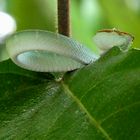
{"x": 63, "y": 17}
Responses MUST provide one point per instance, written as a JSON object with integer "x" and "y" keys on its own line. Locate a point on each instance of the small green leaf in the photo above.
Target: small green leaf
{"x": 8, "y": 67}
{"x": 3, "y": 53}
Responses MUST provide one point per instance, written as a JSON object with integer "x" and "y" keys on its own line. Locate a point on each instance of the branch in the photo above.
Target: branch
{"x": 63, "y": 17}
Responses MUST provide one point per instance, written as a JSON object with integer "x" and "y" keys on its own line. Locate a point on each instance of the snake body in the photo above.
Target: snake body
{"x": 45, "y": 51}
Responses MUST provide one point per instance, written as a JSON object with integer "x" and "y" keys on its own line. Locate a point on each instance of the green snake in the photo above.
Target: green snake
{"x": 45, "y": 51}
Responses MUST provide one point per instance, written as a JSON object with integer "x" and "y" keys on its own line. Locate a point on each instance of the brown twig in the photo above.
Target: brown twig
{"x": 63, "y": 17}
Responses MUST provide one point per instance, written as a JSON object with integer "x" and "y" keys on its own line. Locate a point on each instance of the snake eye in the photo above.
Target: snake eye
{"x": 106, "y": 39}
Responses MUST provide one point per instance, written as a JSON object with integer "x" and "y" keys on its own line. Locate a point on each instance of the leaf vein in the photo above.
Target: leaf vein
{"x": 91, "y": 118}
{"x": 116, "y": 112}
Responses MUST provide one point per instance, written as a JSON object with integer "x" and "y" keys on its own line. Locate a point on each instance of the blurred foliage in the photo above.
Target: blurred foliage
{"x": 33, "y": 14}
{"x": 123, "y": 15}
{"x": 86, "y": 19}
{"x": 87, "y": 16}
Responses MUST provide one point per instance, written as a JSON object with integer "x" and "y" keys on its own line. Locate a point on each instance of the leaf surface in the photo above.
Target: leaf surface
{"x": 100, "y": 101}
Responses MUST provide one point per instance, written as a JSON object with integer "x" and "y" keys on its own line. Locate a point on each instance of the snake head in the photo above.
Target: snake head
{"x": 108, "y": 38}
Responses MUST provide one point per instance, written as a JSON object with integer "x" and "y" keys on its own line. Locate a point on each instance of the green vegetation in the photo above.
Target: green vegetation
{"x": 100, "y": 101}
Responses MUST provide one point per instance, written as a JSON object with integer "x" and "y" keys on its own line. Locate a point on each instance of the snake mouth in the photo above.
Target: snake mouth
{"x": 116, "y": 31}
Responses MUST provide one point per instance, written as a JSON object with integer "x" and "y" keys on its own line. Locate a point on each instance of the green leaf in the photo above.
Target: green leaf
{"x": 3, "y": 53}
{"x": 98, "y": 102}
{"x": 8, "y": 67}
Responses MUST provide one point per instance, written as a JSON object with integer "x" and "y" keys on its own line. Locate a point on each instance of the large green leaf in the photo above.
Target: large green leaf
{"x": 98, "y": 102}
